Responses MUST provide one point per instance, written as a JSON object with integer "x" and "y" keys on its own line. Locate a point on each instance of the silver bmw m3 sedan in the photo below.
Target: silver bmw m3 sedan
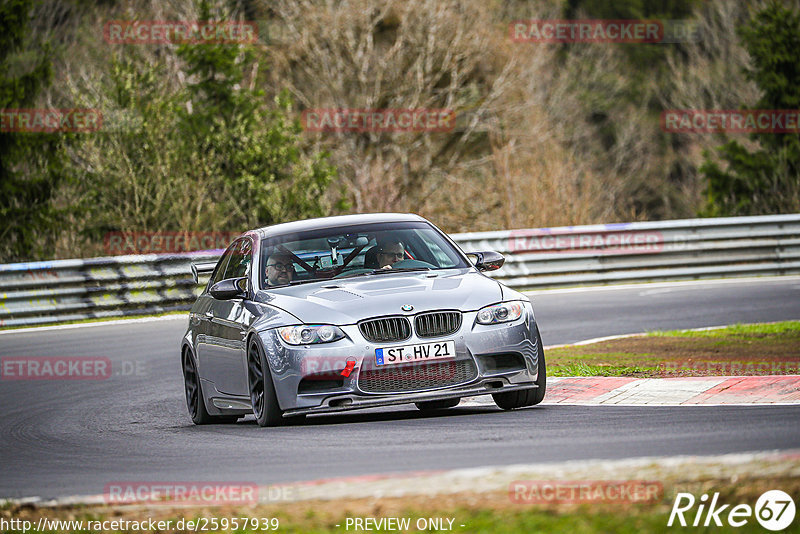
{"x": 358, "y": 311}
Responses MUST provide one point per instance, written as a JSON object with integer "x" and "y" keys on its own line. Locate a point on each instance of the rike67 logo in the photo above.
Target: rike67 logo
{"x": 774, "y": 510}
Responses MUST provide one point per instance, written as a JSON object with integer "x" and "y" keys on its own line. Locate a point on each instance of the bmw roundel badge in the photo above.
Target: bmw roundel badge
{"x": 407, "y": 307}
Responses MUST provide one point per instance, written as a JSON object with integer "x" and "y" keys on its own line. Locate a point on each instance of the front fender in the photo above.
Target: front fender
{"x": 281, "y": 368}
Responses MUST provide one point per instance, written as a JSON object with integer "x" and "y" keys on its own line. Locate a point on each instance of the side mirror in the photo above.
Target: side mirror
{"x": 232, "y": 288}
{"x": 487, "y": 261}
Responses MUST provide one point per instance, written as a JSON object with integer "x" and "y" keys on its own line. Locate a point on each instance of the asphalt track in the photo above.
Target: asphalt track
{"x": 61, "y": 438}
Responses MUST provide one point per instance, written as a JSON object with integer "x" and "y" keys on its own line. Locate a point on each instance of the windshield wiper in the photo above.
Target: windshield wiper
{"x": 399, "y": 270}
{"x": 380, "y": 271}
{"x": 298, "y": 282}
{"x": 294, "y": 283}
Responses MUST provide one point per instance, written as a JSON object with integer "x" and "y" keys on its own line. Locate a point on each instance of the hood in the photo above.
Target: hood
{"x": 349, "y": 300}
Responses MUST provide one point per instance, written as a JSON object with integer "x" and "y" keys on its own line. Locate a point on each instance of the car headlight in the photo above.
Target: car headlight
{"x": 310, "y": 333}
{"x": 501, "y": 313}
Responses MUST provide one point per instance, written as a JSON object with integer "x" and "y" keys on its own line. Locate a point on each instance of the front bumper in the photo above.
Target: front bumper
{"x": 342, "y": 403}
{"x": 308, "y": 378}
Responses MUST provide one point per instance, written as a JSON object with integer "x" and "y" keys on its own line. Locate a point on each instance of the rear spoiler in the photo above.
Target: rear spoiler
{"x": 202, "y": 268}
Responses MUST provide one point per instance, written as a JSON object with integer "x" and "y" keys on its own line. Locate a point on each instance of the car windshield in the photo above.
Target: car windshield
{"x": 357, "y": 250}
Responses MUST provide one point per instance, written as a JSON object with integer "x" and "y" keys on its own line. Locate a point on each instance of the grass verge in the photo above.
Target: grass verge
{"x": 752, "y": 350}
{"x": 486, "y": 512}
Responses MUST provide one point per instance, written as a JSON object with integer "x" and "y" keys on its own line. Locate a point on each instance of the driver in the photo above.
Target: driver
{"x": 280, "y": 269}
{"x": 389, "y": 253}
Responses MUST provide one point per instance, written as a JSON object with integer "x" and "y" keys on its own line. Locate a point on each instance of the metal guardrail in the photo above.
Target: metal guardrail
{"x": 644, "y": 251}
{"x": 69, "y": 290}
{"x": 66, "y": 290}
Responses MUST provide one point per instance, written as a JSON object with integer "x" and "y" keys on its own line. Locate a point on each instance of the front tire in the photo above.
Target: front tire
{"x": 262, "y": 390}
{"x": 526, "y": 397}
{"x": 195, "y": 402}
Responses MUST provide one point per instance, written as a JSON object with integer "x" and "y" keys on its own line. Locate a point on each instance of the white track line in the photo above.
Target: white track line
{"x": 673, "y": 284}
{"x": 37, "y": 329}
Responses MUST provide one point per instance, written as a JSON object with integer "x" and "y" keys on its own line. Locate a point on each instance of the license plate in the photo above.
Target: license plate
{"x": 415, "y": 353}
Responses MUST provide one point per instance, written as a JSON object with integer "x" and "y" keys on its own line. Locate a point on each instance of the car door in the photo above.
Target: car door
{"x": 202, "y": 312}
{"x": 224, "y": 359}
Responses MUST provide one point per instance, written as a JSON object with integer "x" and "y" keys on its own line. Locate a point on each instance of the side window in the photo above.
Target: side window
{"x": 221, "y": 266}
{"x": 241, "y": 259}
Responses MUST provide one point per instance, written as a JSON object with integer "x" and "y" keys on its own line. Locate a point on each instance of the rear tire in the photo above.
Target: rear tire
{"x": 262, "y": 390}
{"x": 444, "y": 404}
{"x": 526, "y": 397}
{"x": 195, "y": 402}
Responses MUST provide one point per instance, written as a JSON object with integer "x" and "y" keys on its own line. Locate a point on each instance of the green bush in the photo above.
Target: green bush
{"x": 765, "y": 180}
